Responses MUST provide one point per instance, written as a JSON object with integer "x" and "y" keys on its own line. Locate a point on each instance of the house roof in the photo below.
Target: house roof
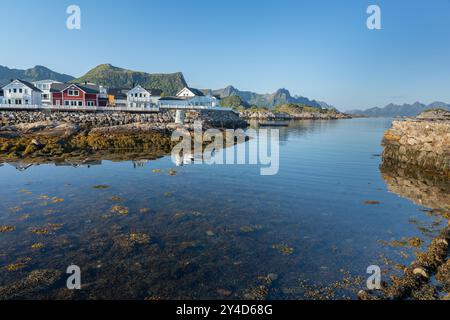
{"x": 88, "y": 88}
{"x": 154, "y": 92}
{"x": 118, "y": 92}
{"x": 197, "y": 92}
{"x": 26, "y": 83}
{"x": 29, "y": 85}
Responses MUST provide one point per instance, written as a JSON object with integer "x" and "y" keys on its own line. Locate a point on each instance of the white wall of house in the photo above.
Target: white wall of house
{"x": 44, "y": 86}
{"x": 139, "y": 97}
{"x": 20, "y": 94}
{"x": 185, "y": 92}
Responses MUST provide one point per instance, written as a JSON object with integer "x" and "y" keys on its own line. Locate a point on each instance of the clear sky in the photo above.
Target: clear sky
{"x": 319, "y": 49}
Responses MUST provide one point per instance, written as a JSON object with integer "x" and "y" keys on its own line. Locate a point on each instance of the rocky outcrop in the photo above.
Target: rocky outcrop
{"x": 62, "y": 137}
{"x": 270, "y": 115}
{"x": 423, "y": 141}
{"x": 39, "y": 120}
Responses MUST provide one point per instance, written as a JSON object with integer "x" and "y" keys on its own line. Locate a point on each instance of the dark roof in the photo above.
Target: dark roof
{"x": 88, "y": 88}
{"x": 197, "y": 92}
{"x": 118, "y": 92}
{"x": 154, "y": 92}
{"x": 28, "y": 84}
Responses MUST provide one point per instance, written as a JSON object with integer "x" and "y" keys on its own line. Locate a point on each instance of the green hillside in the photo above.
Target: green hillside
{"x": 114, "y": 77}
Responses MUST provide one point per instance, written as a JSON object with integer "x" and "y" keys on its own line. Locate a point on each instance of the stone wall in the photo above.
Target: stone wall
{"x": 219, "y": 119}
{"x": 419, "y": 142}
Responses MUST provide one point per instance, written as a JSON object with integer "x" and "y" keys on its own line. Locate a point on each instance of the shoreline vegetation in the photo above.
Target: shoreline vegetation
{"x": 415, "y": 166}
{"x": 428, "y": 276}
{"x": 77, "y": 138}
{"x": 282, "y": 111}
{"x": 82, "y": 138}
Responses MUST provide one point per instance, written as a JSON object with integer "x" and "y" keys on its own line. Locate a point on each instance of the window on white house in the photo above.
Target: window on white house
{"x": 20, "y": 90}
{"x": 15, "y": 90}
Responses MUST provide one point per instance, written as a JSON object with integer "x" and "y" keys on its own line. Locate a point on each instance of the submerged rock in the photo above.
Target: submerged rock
{"x": 283, "y": 249}
{"x": 36, "y": 281}
{"x": 5, "y": 229}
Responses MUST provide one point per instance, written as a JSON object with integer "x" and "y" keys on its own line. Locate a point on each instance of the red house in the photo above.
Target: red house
{"x": 78, "y": 95}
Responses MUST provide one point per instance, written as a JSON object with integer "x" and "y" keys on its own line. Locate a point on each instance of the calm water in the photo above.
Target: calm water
{"x": 210, "y": 231}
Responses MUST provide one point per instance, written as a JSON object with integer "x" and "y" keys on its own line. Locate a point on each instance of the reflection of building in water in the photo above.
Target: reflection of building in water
{"x": 20, "y": 166}
{"x": 139, "y": 163}
{"x": 80, "y": 163}
{"x": 185, "y": 159}
{"x": 423, "y": 188}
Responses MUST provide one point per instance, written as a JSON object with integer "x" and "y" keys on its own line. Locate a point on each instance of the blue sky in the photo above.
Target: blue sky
{"x": 319, "y": 49}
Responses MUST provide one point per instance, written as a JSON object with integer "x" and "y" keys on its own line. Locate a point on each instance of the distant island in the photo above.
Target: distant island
{"x": 404, "y": 110}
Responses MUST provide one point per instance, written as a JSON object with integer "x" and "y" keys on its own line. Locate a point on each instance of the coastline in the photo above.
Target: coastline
{"x": 423, "y": 141}
{"x": 283, "y": 116}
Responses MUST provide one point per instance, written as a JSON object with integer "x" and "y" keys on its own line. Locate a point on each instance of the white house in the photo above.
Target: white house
{"x": 187, "y": 92}
{"x": 190, "y": 97}
{"x": 140, "y": 97}
{"x": 44, "y": 86}
{"x": 20, "y": 92}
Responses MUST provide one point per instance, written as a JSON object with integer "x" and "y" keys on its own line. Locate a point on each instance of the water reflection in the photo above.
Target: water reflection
{"x": 142, "y": 229}
{"x": 419, "y": 186}
{"x": 427, "y": 277}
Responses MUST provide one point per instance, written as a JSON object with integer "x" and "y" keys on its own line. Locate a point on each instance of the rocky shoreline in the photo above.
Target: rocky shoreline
{"x": 423, "y": 141}
{"x": 59, "y": 136}
{"x": 160, "y": 120}
{"x": 271, "y": 115}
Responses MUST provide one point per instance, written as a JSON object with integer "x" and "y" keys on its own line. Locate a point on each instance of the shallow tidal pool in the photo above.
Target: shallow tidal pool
{"x": 152, "y": 230}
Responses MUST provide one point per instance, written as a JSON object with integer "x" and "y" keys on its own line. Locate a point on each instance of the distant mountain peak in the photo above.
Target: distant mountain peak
{"x": 268, "y": 100}
{"x": 116, "y": 77}
{"x": 403, "y": 110}
{"x": 36, "y": 73}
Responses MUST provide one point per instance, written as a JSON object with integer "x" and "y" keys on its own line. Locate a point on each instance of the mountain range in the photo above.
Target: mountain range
{"x": 396, "y": 110}
{"x": 170, "y": 83}
{"x": 114, "y": 77}
{"x": 268, "y": 100}
{"x": 33, "y": 74}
